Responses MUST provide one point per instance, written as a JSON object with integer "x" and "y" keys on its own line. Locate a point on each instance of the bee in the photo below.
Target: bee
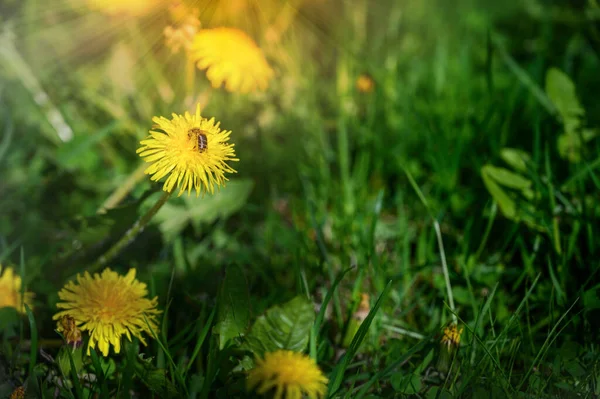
{"x": 200, "y": 137}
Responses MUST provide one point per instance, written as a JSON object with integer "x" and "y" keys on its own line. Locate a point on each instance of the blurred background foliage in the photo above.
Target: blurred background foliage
{"x": 489, "y": 108}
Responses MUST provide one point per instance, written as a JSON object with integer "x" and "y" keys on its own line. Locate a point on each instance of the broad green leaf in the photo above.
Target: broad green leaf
{"x": 591, "y": 298}
{"x": 173, "y": 218}
{"x": 507, "y": 178}
{"x": 407, "y": 384}
{"x": 63, "y": 359}
{"x": 506, "y": 204}
{"x": 561, "y": 91}
{"x": 155, "y": 379}
{"x": 234, "y": 309}
{"x": 569, "y": 146}
{"x": 282, "y": 327}
{"x": 517, "y": 159}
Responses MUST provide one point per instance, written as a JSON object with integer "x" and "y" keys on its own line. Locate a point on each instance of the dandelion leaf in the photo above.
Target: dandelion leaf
{"x": 561, "y": 91}
{"x": 282, "y": 327}
{"x": 515, "y": 158}
{"x": 234, "y": 310}
{"x": 174, "y": 217}
{"x": 506, "y": 204}
{"x": 156, "y": 380}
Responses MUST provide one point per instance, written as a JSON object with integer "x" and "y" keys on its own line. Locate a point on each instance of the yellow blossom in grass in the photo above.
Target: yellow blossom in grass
{"x": 231, "y": 57}
{"x": 365, "y": 83}
{"x": 191, "y": 150}
{"x": 18, "y": 393}
{"x": 108, "y": 306}
{"x": 291, "y": 375}
{"x": 184, "y": 28}
{"x": 451, "y": 336}
{"x": 10, "y": 291}
{"x": 124, "y": 7}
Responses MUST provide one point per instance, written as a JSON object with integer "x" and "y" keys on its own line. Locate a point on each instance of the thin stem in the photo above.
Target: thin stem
{"x": 190, "y": 78}
{"x": 130, "y": 235}
{"x": 438, "y": 233}
{"x": 124, "y": 189}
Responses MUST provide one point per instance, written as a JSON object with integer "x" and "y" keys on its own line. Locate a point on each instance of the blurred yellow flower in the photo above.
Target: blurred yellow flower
{"x": 10, "y": 291}
{"x": 108, "y": 306}
{"x": 290, "y": 374}
{"x": 365, "y": 83}
{"x": 451, "y": 338}
{"x": 126, "y": 7}
{"x": 18, "y": 393}
{"x": 185, "y": 27}
{"x": 231, "y": 57}
{"x": 191, "y": 149}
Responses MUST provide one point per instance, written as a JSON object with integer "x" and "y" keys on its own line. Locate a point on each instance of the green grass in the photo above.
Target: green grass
{"x": 464, "y": 187}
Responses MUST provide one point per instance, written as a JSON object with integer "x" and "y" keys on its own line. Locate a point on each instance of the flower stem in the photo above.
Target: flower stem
{"x": 121, "y": 192}
{"x": 130, "y": 235}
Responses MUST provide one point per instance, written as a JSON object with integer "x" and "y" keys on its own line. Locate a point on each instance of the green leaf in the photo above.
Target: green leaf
{"x": 173, "y": 218}
{"x": 64, "y": 362}
{"x": 282, "y": 327}
{"x": 517, "y": 159}
{"x": 234, "y": 309}
{"x": 406, "y": 384}
{"x": 507, "y": 178}
{"x": 155, "y": 379}
{"x": 591, "y": 298}
{"x": 561, "y": 91}
{"x": 506, "y": 204}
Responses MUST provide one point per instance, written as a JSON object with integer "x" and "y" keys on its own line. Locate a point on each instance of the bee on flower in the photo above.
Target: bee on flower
{"x": 191, "y": 150}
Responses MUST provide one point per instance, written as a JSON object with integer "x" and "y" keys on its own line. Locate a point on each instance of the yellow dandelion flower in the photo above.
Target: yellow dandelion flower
{"x": 191, "y": 149}
{"x": 231, "y": 57}
{"x": 365, "y": 83}
{"x": 108, "y": 306}
{"x": 290, "y": 374}
{"x": 10, "y": 291}
{"x": 124, "y": 7}
{"x": 451, "y": 336}
{"x": 185, "y": 27}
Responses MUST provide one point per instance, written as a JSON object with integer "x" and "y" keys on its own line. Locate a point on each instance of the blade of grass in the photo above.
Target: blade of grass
{"x": 549, "y": 339}
{"x": 389, "y": 369}
{"x": 99, "y": 374}
{"x": 74, "y": 377}
{"x": 34, "y": 339}
{"x": 438, "y": 234}
{"x": 314, "y": 332}
{"x": 175, "y": 369}
{"x": 337, "y": 375}
{"x": 200, "y": 340}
